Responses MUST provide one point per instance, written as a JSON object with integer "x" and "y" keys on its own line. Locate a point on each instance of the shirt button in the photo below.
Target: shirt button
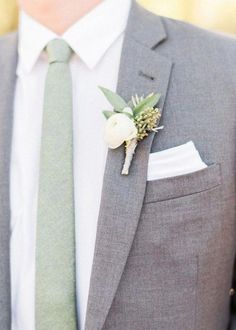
{"x": 231, "y": 292}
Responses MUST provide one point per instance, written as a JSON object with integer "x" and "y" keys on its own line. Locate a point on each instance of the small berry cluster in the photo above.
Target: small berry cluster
{"x": 147, "y": 121}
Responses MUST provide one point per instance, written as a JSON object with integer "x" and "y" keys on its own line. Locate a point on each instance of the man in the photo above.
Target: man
{"x": 165, "y": 247}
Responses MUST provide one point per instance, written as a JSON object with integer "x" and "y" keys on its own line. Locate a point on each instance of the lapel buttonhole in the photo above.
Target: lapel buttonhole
{"x": 145, "y": 75}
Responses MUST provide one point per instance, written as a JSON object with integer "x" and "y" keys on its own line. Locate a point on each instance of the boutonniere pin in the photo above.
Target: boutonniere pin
{"x": 130, "y": 122}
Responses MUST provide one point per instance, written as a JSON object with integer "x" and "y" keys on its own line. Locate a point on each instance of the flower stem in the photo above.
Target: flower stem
{"x": 129, "y": 153}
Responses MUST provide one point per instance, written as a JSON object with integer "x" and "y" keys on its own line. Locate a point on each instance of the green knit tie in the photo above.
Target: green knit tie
{"x": 55, "y": 298}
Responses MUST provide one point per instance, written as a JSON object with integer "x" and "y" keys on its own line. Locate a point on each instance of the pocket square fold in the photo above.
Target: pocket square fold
{"x": 175, "y": 161}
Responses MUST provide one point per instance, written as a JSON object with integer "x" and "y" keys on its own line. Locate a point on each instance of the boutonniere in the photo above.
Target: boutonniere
{"x": 130, "y": 122}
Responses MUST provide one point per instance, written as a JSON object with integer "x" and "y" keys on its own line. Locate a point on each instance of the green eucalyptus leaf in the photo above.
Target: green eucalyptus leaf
{"x": 116, "y": 100}
{"x": 108, "y": 114}
{"x": 149, "y": 102}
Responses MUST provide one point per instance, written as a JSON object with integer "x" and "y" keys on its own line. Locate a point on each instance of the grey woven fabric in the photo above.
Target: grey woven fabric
{"x": 55, "y": 300}
{"x": 8, "y": 47}
{"x": 164, "y": 255}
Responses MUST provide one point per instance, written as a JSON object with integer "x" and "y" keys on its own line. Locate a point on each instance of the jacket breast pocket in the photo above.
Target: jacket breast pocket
{"x": 183, "y": 185}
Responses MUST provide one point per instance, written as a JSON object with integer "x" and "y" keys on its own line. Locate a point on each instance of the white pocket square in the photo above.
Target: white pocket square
{"x": 175, "y": 161}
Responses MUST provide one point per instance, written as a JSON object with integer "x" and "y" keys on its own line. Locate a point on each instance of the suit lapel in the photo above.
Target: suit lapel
{"x": 8, "y": 59}
{"x": 142, "y": 71}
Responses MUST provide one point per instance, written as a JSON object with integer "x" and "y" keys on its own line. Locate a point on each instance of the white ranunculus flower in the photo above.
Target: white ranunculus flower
{"x": 119, "y": 128}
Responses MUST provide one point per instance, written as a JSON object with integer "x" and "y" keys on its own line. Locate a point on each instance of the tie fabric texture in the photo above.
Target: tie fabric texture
{"x": 55, "y": 296}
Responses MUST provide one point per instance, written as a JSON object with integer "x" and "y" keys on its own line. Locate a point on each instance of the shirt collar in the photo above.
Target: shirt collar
{"x": 90, "y": 37}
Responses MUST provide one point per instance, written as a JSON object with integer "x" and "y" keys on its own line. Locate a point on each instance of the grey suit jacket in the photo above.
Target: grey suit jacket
{"x": 165, "y": 249}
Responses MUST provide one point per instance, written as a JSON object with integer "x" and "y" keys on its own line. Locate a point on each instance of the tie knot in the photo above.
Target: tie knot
{"x": 58, "y": 51}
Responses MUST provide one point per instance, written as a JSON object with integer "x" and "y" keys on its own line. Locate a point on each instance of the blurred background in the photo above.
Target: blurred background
{"x": 219, "y": 15}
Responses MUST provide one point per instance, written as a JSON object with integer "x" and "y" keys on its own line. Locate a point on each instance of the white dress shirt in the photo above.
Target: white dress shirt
{"x": 97, "y": 42}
